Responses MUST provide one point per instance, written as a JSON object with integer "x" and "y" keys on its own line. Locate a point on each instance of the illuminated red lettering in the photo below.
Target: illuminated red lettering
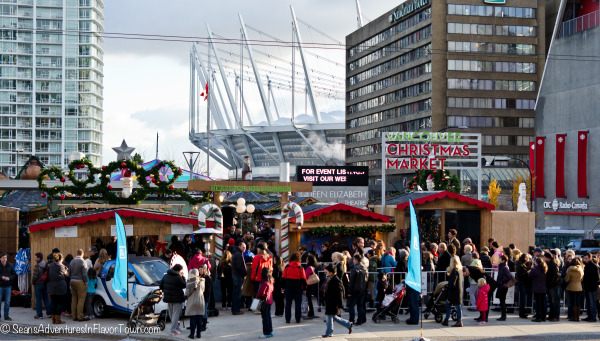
{"x": 413, "y": 149}
{"x": 414, "y": 163}
{"x": 393, "y": 163}
{"x": 466, "y": 151}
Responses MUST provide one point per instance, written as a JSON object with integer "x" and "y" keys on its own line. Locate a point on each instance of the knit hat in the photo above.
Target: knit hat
{"x": 548, "y": 255}
{"x": 231, "y": 242}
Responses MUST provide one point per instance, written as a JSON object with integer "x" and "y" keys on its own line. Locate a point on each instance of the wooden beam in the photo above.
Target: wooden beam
{"x": 248, "y": 186}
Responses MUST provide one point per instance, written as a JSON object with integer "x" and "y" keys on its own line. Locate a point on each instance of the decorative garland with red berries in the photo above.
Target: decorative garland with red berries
{"x": 441, "y": 179}
{"x": 102, "y": 188}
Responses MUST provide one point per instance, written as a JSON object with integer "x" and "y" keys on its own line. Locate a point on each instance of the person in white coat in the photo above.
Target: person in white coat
{"x": 195, "y": 307}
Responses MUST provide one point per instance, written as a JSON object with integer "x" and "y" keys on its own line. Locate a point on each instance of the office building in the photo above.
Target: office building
{"x": 50, "y": 81}
{"x": 429, "y": 65}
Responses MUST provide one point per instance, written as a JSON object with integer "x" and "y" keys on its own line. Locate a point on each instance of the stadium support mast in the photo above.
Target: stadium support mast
{"x": 359, "y": 17}
{"x": 313, "y": 103}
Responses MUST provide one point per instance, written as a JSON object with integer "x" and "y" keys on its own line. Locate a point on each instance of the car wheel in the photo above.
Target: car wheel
{"x": 99, "y": 306}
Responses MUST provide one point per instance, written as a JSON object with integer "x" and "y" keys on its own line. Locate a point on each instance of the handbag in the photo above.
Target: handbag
{"x": 511, "y": 282}
{"x": 256, "y": 305}
{"x": 313, "y": 278}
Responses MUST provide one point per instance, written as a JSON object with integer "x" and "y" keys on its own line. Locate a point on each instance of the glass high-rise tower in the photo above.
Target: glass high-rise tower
{"x": 51, "y": 62}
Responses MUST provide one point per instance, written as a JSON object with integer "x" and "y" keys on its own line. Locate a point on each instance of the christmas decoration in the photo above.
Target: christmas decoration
{"x": 101, "y": 188}
{"x": 212, "y": 210}
{"x": 285, "y": 238}
{"x": 353, "y": 230}
{"x": 442, "y": 181}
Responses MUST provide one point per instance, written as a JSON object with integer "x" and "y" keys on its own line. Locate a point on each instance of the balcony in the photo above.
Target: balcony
{"x": 580, "y": 24}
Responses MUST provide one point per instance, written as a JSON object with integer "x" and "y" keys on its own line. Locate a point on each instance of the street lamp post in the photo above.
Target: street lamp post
{"x": 490, "y": 162}
{"x": 17, "y": 160}
{"x": 242, "y": 208}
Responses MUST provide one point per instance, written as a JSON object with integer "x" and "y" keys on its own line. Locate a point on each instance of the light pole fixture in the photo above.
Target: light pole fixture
{"x": 242, "y": 208}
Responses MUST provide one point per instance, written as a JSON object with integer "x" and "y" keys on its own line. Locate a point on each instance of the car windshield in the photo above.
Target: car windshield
{"x": 151, "y": 272}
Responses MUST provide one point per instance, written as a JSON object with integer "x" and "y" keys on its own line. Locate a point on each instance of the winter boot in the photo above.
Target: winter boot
{"x": 58, "y": 320}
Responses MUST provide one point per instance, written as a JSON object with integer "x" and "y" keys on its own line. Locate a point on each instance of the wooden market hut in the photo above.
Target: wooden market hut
{"x": 476, "y": 219}
{"x": 343, "y": 221}
{"x": 79, "y": 231}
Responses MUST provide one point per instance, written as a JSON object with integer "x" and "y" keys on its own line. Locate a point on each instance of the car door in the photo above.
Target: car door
{"x": 134, "y": 294}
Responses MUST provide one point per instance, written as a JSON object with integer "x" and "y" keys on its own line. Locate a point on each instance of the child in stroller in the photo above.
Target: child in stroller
{"x": 143, "y": 312}
{"x": 389, "y": 304}
{"x": 436, "y": 303}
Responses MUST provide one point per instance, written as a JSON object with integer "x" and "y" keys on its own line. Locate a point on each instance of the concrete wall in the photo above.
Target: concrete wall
{"x": 568, "y": 102}
{"x": 513, "y": 227}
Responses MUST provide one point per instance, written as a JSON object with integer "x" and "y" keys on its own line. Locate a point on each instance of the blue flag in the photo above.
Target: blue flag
{"x": 413, "y": 278}
{"x": 119, "y": 283}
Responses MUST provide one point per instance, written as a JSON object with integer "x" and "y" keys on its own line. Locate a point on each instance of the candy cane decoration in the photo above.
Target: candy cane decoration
{"x": 285, "y": 238}
{"x": 207, "y": 211}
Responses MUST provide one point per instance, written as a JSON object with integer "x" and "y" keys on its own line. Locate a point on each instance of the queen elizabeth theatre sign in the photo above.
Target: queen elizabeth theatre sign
{"x": 411, "y": 151}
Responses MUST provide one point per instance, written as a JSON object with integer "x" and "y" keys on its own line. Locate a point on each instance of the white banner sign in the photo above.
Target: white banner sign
{"x": 181, "y": 229}
{"x": 65, "y": 232}
{"x": 128, "y": 230}
{"x": 357, "y": 196}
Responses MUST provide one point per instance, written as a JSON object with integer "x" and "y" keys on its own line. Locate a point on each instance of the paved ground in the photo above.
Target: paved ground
{"x": 248, "y": 327}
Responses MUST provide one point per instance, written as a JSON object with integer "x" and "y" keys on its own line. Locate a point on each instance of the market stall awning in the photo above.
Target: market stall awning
{"x": 402, "y": 201}
{"x": 84, "y": 217}
{"x": 317, "y": 209}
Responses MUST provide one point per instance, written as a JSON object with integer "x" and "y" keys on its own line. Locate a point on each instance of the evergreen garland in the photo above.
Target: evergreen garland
{"x": 102, "y": 188}
{"x": 441, "y": 180}
{"x": 351, "y": 231}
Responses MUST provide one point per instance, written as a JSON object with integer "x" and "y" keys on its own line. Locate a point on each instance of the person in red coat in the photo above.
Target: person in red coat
{"x": 482, "y": 299}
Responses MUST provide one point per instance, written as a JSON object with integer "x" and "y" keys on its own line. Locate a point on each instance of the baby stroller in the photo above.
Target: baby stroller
{"x": 391, "y": 305}
{"x": 143, "y": 312}
{"x": 436, "y": 304}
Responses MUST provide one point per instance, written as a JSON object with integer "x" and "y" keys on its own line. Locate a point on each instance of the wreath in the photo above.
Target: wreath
{"x": 154, "y": 181}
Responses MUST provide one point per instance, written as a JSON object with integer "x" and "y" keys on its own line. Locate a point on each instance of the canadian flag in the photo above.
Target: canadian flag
{"x": 532, "y": 165}
{"x": 560, "y": 165}
{"x": 205, "y": 93}
{"x": 582, "y": 139}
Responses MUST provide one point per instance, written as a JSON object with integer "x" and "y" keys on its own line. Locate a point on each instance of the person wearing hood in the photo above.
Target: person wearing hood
{"x": 357, "y": 289}
{"x": 574, "y": 288}
{"x": 294, "y": 283}
{"x": 172, "y": 284}
{"x": 260, "y": 261}
{"x": 198, "y": 260}
{"x": 195, "y": 307}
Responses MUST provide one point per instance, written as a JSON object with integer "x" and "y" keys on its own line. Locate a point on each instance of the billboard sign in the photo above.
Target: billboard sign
{"x": 334, "y": 175}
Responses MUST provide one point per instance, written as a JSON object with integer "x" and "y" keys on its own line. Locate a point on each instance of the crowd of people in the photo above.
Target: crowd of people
{"x": 354, "y": 278}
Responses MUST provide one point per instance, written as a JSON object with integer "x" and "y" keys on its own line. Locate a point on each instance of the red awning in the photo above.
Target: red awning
{"x": 82, "y": 219}
{"x": 344, "y": 207}
{"x": 450, "y": 195}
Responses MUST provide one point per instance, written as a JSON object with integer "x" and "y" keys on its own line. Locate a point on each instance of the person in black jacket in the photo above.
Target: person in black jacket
{"x": 524, "y": 283}
{"x": 334, "y": 301}
{"x": 238, "y": 273}
{"x": 552, "y": 287}
{"x": 326, "y": 253}
{"x": 486, "y": 261}
{"x": 357, "y": 289}
{"x": 477, "y": 273}
{"x": 208, "y": 295}
{"x": 7, "y": 276}
{"x": 503, "y": 278}
{"x": 590, "y": 286}
{"x": 172, "y": 285}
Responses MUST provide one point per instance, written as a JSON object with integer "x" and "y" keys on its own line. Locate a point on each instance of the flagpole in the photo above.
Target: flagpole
{"x": 208, "y": 112}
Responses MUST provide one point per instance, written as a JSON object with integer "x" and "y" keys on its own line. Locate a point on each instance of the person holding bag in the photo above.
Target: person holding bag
{"x": 265, "y": 294}
{"x": 312, "y": 281}
{"x": 504, "y": 280}
{"x": 196, "y": 306}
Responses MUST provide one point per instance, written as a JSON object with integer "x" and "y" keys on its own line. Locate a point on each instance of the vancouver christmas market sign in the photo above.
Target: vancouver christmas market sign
{"x": 414, "y": 151}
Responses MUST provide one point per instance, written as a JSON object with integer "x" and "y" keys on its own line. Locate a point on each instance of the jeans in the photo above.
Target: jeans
{"x": 540, "y": 306}
{"x": 330, "y": 319}
{"x": 196, "y": 324}
{"x": 266, "y": 319}
{"x": 89, "y": 299}
{"x": 236, "y": 298}
{"x": 590, "y": 305}
{"x": 554, "y": 302}
{"x": 413, "y": 304}
{"x": 175, "y": 314}
{"x": 296, "y": 296}
{"x": 525, "y": 298}
{"x": 78, "y": 293}
{"x": 458, "y": 311}
{"x": 41, "y": 295}
{"x": 357, "y": 300}
{"x": 5, "y": 293}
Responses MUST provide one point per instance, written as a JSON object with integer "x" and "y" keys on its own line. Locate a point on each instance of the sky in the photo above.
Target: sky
{"x": 146, "y": 82}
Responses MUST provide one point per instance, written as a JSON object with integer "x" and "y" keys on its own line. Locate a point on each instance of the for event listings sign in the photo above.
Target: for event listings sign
{"x": 342, "y": 184}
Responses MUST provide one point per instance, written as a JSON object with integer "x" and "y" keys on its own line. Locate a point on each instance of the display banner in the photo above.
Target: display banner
{"x": 532, "y": 164}
{"x": 560, "y": 165}
{"x": 540, "y": 144}
{"x": 582, "y": 138}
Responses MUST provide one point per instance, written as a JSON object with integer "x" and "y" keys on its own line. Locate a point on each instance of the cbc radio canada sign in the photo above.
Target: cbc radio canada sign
{"x": 556, "y": 205}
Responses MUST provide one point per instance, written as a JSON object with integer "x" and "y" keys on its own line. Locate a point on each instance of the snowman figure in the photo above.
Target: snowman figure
{"x": 430, "y": 184}
{"x": 127, "y": 183}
